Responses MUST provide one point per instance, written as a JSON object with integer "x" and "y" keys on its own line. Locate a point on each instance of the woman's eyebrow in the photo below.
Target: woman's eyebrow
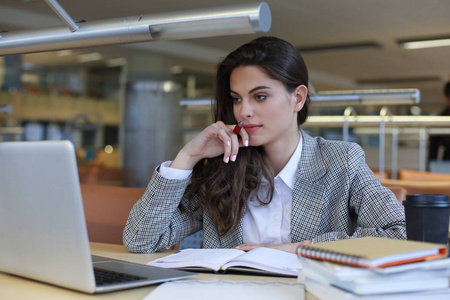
{"x": 261, "y": 87}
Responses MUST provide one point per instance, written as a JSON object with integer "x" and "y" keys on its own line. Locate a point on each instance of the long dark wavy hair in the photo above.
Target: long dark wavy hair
{"x": 225, "y": 188}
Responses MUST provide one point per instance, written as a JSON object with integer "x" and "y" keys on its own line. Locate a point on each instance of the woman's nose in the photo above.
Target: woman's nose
{"x": 246, "y": 109}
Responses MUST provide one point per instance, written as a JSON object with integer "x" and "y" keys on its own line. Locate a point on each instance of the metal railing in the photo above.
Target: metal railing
{"x": 427, "y": 125}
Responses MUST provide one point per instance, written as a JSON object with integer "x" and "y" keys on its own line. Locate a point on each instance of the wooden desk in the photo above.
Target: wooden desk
{"x": 12, "y": 287}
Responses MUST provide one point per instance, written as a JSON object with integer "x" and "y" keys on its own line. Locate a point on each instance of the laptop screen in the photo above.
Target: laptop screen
{"x": 42, "y": 225}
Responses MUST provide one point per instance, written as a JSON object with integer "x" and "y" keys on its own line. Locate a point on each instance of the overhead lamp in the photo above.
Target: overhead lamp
{"x": 89, "y": 57}
{"x": 64, "y": 53}
{"x": 339, "y": 48}
{"x": 196, "y": 102}
{"x": 368, "y": 97}
{"x": 116, "y": 62}
{"x": 424, "y": 43}
{"x": 399, "y": 80}
{"x": 238, "y": 19}
{"x": 176, "y": 69}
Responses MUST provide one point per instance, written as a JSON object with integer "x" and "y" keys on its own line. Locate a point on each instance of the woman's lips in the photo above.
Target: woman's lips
{"x": 252, "y": 127}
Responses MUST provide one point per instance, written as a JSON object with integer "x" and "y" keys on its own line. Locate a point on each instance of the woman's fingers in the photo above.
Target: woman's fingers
{"x": 244, "y": 137}
{"x": 235, "y": 142}
{"x": 234, "y": 147}
{"x": 224, "y": 135}
{"x": 249, "y": 246}
{"x": 228, "y": 140}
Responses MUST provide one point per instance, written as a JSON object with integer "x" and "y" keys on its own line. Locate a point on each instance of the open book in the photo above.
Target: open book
{"x": 259, "y": 260}
{"x": 372, "y": 252}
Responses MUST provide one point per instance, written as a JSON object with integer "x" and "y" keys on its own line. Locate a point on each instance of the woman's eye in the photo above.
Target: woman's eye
{"x": 260, "y": 97}
{"x": 236, "y": 99}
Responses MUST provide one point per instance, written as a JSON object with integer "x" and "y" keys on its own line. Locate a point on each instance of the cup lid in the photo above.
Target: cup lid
{"x": 436, "y": 200}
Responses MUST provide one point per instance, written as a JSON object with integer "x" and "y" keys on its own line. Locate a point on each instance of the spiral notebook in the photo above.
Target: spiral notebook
{"x": 373, "y": 252}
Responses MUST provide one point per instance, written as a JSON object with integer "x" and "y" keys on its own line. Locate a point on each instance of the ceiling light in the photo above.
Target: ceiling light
{"x": 399, "y": 80}
{"x": 116, "y": 62}
{"x": 196, "y": 102}
{"x": 207, "y": 22}
{"x": 88, "y": 57}
{"x": 368, "y": 97}
{"x": 176, "y": 70}
{"x": 349, "y": 47}
{"x": 64, "y": 53}
{"x": 421, "y": 44}
{"x": 168, "y": 86}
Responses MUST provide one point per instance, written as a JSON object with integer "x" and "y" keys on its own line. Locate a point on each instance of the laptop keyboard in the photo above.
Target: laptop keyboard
{"x": 103, "y": 277}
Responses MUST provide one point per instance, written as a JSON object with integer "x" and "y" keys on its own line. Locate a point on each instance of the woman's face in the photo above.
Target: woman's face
{"x": 268, "y": 110}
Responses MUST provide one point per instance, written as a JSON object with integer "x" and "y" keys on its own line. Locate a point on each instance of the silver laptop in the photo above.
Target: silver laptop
{"x": 43, "y": 233}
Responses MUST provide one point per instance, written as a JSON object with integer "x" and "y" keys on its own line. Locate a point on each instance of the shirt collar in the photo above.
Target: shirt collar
{"x": 290, "y": 169}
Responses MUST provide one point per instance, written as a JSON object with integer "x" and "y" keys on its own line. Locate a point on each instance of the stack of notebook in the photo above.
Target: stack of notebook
{"x": 375, "y": 268}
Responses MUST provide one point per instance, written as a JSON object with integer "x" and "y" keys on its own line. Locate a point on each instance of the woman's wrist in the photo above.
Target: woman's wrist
{"x": 184, "y": 161}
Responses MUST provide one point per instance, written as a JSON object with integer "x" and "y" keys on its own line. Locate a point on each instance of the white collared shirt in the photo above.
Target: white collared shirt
{"x": 262, "y": 224}
{"x": 271, "y": 224}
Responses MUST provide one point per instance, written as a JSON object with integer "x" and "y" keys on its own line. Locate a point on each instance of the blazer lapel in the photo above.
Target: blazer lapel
{"x": 212, "y": 239}
{"x": 234, "y": 238}
{"x": 308, "y": 192}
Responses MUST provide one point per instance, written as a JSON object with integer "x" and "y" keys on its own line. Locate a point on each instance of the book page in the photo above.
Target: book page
{"x": 334, "y": 270}
{"x": 207, "y": 258}
{"x": 267, "y": 259}
{"x": 226, "y": 290}
{"x": 324, "y": 290}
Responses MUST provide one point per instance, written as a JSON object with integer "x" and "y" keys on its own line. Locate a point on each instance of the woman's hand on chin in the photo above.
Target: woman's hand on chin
{"x": 291, "y": 247}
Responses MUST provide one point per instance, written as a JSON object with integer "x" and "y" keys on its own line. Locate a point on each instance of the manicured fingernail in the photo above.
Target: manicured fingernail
{"x": 246, "y": 143}
{"x": 227, "y": 160}
{"x": 233, "y": 158}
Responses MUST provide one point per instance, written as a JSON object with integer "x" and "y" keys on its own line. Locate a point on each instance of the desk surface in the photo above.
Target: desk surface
{"x": 12, "y": 287}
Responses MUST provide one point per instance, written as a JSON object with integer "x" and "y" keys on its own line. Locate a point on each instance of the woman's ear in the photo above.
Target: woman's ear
{"x": 300, "y": 94}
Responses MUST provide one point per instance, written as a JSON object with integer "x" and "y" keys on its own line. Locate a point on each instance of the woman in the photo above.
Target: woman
{"x": 270, "y": 185}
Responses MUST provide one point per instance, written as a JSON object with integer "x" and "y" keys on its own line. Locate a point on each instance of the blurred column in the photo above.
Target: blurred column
{"x": 12, "y": 73}
{"x": 151, "y": 131}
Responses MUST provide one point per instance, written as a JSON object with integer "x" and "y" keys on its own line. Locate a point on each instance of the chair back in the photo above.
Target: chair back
{"x": 106, "y": 209}
{"x": 98, "y": 174}
{"x": 416, "y": 187}
{"x": 415, "y": 175}
{"x": 88, "y": 175}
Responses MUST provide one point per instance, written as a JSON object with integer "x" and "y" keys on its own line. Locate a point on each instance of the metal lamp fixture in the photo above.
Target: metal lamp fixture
{"x": 238, "y": 19}
{"x": 368, "y": 97}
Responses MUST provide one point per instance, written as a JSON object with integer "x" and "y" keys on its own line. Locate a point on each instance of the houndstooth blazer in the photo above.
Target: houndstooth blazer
{"x": 335, "y": 196}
